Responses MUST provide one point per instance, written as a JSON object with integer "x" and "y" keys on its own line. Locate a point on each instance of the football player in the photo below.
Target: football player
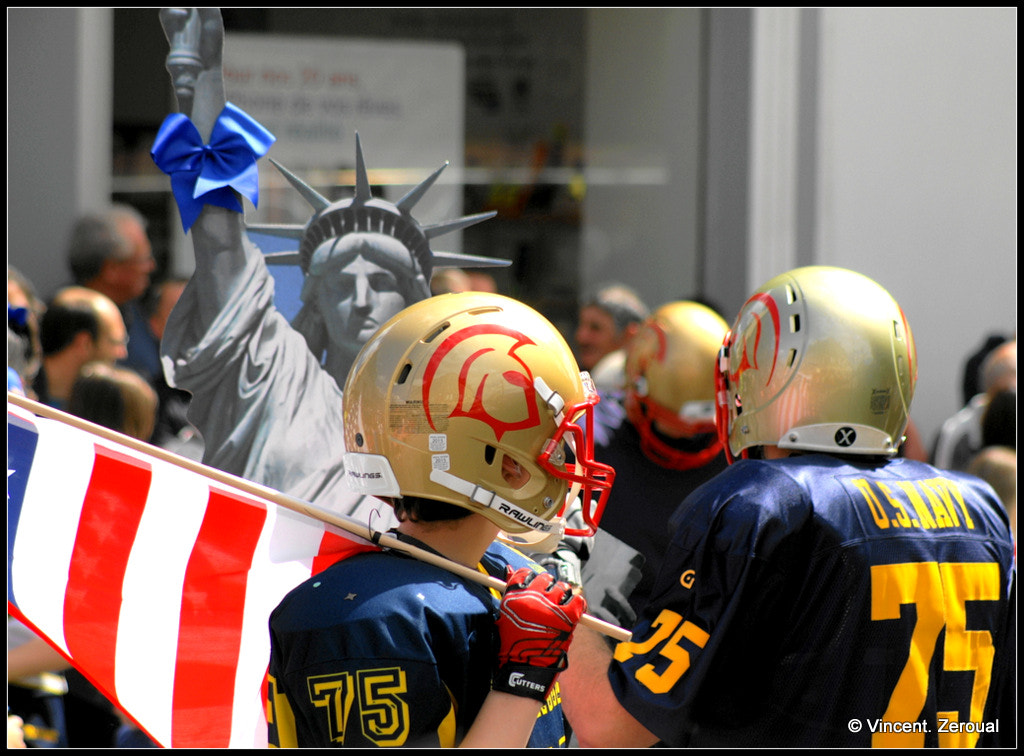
{"x": 661, "y": 441}
{"x": 460, "y": 413}
{"x": 821, "y": 591}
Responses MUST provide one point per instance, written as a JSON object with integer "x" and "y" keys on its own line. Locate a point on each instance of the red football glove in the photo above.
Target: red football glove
{"x": 538, "y": 616}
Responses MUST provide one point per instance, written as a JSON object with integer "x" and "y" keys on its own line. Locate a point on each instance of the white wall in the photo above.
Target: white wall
{"x": 59, "y": 132}
{"x": 917, "y": 181}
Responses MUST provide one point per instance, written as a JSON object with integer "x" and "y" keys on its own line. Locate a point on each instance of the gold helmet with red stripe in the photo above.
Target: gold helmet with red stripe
{"x": 670, "y": 384}
{"x": 457, "y": 391}
{"x": 819, "y": 359}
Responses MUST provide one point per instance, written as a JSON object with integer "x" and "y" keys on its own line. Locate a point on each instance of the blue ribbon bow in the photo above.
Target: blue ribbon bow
{"x": 205, "y": 174}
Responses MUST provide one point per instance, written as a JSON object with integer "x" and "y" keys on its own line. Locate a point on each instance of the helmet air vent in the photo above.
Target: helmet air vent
{"x": 794, "y": 323}
{"x": 436, "y": 332}
{"x": 484, "y": 310}
{"x": 406, "y": 369}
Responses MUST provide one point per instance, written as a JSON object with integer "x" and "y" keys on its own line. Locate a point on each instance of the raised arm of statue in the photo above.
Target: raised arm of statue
{"x": 215, "y": 220}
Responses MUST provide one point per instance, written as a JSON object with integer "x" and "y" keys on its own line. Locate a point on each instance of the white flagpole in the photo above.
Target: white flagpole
{"x": 291, "y": 503}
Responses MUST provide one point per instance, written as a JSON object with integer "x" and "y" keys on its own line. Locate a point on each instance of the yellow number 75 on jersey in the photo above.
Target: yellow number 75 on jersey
{"x": 669, "y": 625}
{"x": 940, "y": 592}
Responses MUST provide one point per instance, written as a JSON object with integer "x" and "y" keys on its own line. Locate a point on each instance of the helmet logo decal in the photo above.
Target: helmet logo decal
{"x": 519, "y": 376}
{"x": 911, "y": 351}
{"x": 846, "y": 436}
{"x": 652, "y": 331}
{"x": 745, "y": 362}
{"x": 662, "y": 340}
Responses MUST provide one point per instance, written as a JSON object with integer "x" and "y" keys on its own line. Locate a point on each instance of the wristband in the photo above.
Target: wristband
{"x": 525, "y": 680}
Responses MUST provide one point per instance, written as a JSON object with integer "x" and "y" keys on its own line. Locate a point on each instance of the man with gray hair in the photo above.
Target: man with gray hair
{"x": 607, "y": 322}
{"x": 110, "y": 252}
{"x": 959, "y": 438}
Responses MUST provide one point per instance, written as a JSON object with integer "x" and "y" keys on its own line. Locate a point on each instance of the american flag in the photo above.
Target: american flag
{"x": 155, "y": 581}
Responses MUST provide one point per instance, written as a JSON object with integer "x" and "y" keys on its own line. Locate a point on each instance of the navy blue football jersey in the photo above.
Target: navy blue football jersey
{"x": 382, "y": 649}
{"x": 812, "y": 602}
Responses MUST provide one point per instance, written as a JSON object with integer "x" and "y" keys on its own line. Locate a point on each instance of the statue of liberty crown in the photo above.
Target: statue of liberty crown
{"x": 366, "y": 213}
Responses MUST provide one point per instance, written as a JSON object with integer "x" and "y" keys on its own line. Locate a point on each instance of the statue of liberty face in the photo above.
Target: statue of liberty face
{"x": 363, "y": 280}
{"x": 364, "y": 259}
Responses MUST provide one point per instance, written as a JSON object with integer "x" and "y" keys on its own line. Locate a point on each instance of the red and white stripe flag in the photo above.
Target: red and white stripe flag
{"x": 155, "y": 581}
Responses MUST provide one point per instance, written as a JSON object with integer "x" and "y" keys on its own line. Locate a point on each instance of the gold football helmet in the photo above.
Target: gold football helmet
{"x": 819, "y": 359}
{"x": 471, "y": 398}
{"x": 670, "y": 382}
